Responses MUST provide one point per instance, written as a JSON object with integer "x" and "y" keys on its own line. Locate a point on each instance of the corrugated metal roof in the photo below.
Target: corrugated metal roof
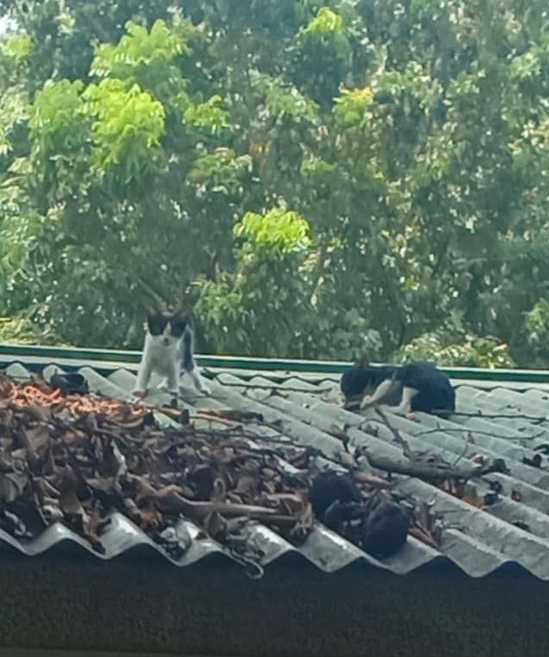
{"x": 478, "y": 542}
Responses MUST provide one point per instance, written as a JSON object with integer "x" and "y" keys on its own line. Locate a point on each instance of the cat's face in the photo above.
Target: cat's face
{"x": 354, "y": 383}
{"x": 166, "y": 329}
{"x": 357, "y": 381}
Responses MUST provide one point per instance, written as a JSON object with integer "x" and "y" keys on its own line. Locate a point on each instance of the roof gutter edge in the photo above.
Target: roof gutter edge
{"x": 116, "y": 359}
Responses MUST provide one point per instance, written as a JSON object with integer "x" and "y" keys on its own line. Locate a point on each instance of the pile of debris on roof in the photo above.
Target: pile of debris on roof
{"x": 77, "y": 458}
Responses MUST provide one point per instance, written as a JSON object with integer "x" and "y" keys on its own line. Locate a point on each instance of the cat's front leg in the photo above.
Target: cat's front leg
{"x": 143, "y": 376}
{"x": 405, "y": 406}
{"x": 380, "y": 393}
{"x": 188, "y": 364}
{"x": 173, "y": 382}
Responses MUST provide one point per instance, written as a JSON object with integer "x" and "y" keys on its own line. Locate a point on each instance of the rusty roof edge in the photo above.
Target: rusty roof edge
{"x": 112, "y": 359}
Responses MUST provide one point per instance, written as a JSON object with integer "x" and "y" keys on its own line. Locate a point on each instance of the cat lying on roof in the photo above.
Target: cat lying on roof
{"x": 411, "y": 387}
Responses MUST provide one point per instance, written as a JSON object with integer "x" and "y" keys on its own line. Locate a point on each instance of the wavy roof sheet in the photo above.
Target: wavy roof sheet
{"x": 512, "y": 424}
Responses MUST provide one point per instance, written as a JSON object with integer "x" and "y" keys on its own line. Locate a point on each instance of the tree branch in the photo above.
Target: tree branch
{"x": 433, "y": 470}
{"x": 430, "y": 472}
{"x": 496, "y": 416}
{"x": 162, "y": 305}
{"x": 480, "y": 433}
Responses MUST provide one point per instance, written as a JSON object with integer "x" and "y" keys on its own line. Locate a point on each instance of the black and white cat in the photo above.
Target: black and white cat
{"x": 410, "y": 387}
{"x": 169, "y": 353}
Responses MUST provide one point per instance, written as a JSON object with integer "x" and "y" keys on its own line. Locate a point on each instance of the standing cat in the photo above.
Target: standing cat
{"x": 169, "y": 352}
{"x": 413, "y": 386}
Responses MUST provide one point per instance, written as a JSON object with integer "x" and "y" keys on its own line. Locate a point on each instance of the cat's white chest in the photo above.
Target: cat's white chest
{"x": 161, "y": 358}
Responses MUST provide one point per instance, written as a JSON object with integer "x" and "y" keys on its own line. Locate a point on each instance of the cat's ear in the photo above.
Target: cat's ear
{"x": 153, "y": 311}
{"x": 183, "y": 311}
{"x": 363, "y": 363}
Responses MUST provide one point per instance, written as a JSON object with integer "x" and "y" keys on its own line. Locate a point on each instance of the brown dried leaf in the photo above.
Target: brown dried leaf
{"x": 68, "y": 500}
{"x": 25, "y": 441}
{"x": 105, "y": 485}
{"x": 215, "y": 525}
{"x": 473, "y": 499}
{"x": 39, "y": 437}
{"x": 12, "y": 486}
{"x": 347, "y": 459}
{"x": 219, "y": 489}
{"x": 362, "y": 477}
{"x": 232, "y": 414}
{"x": 93, "y": 526}
{"x": 287, "y": 503}
{"x": 143, "y": 489}
{"x": 39, "y": 413}
{"x": 423, "y": 535}
{"x": 168, "y": 491}
{"x": 246, "y": 485}
{"x": 516, "y": 496}
{"x": 150, "y": 516}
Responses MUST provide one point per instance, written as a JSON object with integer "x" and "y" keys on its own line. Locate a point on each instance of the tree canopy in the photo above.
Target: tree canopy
{"x": 322, "y": 179}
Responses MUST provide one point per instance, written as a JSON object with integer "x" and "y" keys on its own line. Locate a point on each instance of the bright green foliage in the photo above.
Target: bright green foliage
{"x": 284, "y": 101}
{"x": 209, "y": 117}
{"x": 279, "y": 232}
{"x": 22, "y": 331}
{"x": 139, "y": 48}
{"x": 464, "y": 350}
{"x": 128, "y": 125}
{"x": 149, "y": 59}
{"x": 221, "y": 171}
{"x": 323, "y": 179}
{"x": 57, "y": 120}
{"x": 352, "y": 107}
{"x": 18, "y": 48}
{"x": 325, "y": 24}
{"x": 315, "y": 168}
{"x": 326, "y": 30}
{"x": 537, "y": 330}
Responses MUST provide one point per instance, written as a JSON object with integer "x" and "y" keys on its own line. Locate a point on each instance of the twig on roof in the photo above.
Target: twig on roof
{"x": 421, "y": 465}
{"x": 436, "y": 471}
{"x": 175, "y": 414}
{"x": 495, "y": 416}
{"x": 200, "y": 510}
{"x": 464, "y": 451}
{"x": 397, "y": 436}
{"x": 421, "y": 534}
{"x": 288, "y": 442}
{"x": 477, "y": 432}
{"x": 232, "y": 414}
{"x": 344, "y": 460}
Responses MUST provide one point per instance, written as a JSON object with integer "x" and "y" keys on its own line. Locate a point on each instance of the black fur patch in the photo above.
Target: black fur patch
{"x": 362, "y": 380}
{"x": 386, "y": 530}
{"x": 434, "y": 390}
{"x": 178, "y": 325}
{"x": 157, "y": 323}
{"x": 329, "y": 487}
{"x": 187, "y": 348}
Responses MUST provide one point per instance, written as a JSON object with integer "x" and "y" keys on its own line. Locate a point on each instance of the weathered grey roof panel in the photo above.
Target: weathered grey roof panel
{"x": 478, "y": 542}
